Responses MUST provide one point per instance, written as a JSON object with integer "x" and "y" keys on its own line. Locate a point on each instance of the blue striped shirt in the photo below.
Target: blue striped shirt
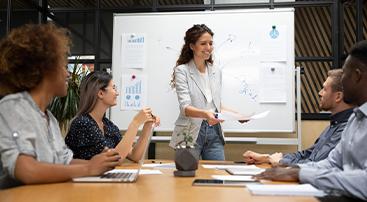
{"x": 345, "y": 170}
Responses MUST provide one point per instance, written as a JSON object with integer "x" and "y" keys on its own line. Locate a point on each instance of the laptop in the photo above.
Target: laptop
{"x": 117, "y": 175}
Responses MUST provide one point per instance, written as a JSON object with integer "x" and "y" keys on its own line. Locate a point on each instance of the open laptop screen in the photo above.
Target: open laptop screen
{"x": 118, "y": 175}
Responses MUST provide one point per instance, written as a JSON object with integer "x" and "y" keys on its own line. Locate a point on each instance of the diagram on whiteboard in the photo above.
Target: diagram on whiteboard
{"x": 275, "y": 43}
{"x": 167, "y": 45}
{"x": 246, "y": 90}
{"x": 133, "y": 94}
{"x": 230, "y": 39}
{"x": 240, "y": 84}
{"x": 133, "y": 50}
{"x": 274, "y": 86}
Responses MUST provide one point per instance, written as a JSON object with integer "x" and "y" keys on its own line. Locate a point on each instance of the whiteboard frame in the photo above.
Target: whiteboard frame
{"x": 295, "y": 128}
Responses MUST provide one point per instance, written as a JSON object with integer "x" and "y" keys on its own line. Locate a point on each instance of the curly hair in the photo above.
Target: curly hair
{"x": 359, "y": 52}
{"x": 29, "y": 53}
{"x": 191, "y": 36}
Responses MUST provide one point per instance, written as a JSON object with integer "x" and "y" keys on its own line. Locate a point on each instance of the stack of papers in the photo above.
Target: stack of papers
{"x": 285, "y": 190}
{"x": 245, "y": 170}
{"x": 142, "y": 171}
{"x": 234, "y": 178}
{"x": 223, "y": 167}
{"x": 160, "y": 165}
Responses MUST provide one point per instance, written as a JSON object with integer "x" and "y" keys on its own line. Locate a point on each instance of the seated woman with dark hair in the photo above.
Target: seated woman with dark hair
{"x": 32, "y": 72}
{"x": 90, "y": 132}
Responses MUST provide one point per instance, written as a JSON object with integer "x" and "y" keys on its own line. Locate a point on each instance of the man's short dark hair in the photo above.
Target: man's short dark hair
{"x": 359, "y": 52}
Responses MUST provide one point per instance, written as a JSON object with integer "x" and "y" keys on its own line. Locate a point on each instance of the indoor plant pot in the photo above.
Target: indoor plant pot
{"x": 186, "y": 157}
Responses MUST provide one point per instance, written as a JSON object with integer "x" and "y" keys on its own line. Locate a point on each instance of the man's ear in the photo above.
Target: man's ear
{"x": 358, "y": 74}
{"x": 339, "y": 97}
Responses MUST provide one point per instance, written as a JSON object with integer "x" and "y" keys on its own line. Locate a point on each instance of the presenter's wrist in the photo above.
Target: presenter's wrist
{"x": 208, "y": 114}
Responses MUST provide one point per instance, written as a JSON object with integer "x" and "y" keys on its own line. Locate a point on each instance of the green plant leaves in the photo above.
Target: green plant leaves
{"x": 65, "y": 108}
{"x": 188, "y": 140}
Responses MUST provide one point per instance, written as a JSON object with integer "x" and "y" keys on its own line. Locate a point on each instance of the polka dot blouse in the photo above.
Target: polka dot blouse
{"x": 86, "y": 139}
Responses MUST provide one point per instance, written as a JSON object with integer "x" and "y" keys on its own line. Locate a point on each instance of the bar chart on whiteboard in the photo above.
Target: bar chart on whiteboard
{"x": 133, "y": 92}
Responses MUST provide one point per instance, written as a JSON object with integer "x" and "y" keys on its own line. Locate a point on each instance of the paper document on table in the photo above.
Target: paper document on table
{"x": 160, "y": 165}
{"x": 245, "y": 170}
{"x": 231, "y": 116}
{"x": 285, "y": 190}
{"x": 234, "y": 178}
{"x": 222, "y": 167}
{"x": 142, "y": 171}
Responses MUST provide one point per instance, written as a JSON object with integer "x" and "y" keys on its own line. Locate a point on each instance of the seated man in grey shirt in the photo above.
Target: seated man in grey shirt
{"x": 331, "y": 99}
{"x": 345, "y": 170}
{"x": 32, "y": 72}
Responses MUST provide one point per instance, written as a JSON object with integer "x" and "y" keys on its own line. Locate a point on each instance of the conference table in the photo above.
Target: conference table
{"x": 152, "y": 188}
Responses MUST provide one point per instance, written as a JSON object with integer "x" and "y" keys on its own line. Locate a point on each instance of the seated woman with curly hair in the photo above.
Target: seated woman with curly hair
{"x": 33, "y": 71}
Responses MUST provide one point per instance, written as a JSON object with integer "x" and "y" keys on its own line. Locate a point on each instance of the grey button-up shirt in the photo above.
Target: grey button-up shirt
{"x": 345, "y": 170}
{"x": 327, "y": 141}
{"x": 25, "y": 129}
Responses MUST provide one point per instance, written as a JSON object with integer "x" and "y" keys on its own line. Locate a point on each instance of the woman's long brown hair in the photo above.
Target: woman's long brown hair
{"x": 191, "y": 37}
{"x": 89, "y": 88}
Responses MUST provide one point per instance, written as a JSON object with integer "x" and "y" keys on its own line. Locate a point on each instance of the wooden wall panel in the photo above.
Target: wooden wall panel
{"x": 312, "y": 39}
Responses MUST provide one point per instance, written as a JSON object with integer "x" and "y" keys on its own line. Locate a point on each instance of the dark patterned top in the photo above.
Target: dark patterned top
{"x": 86, "y": 139}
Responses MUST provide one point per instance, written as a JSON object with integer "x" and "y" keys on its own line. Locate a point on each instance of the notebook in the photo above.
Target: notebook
{"x": 117, "y": 175}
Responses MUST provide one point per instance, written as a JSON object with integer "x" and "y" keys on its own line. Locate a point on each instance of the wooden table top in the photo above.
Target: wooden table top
{"x": 153, "y": 188}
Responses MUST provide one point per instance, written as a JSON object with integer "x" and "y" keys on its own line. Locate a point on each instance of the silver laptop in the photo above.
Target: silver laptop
{"x": 117, "y": 175}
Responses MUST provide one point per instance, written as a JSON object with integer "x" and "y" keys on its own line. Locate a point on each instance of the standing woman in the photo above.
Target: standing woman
{"x": 33, "y": 61}
{"x": 198, "y": 86}
{"x": 90, "y": 132}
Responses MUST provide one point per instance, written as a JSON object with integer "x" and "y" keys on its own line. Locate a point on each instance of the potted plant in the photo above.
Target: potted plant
{"x": 65, "y": 108}
{"x": 186, "y": 157}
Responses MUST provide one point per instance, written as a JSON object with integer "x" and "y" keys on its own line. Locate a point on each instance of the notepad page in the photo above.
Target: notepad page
{"x": 285, "y": 190}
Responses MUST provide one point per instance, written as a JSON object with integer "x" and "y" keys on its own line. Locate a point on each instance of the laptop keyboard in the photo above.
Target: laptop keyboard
{"x": 117, "y": 175}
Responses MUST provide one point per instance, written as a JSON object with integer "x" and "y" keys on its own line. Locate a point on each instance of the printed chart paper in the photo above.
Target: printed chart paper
{"x": 133, "y": 92}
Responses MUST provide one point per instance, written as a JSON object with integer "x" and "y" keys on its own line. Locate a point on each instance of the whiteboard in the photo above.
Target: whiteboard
{"x": 244, "y": 50}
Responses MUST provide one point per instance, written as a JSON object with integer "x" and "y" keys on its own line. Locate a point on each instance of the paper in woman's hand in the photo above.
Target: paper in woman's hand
{"x": 259, "y": 115}
{"x": 231, "y": 116}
